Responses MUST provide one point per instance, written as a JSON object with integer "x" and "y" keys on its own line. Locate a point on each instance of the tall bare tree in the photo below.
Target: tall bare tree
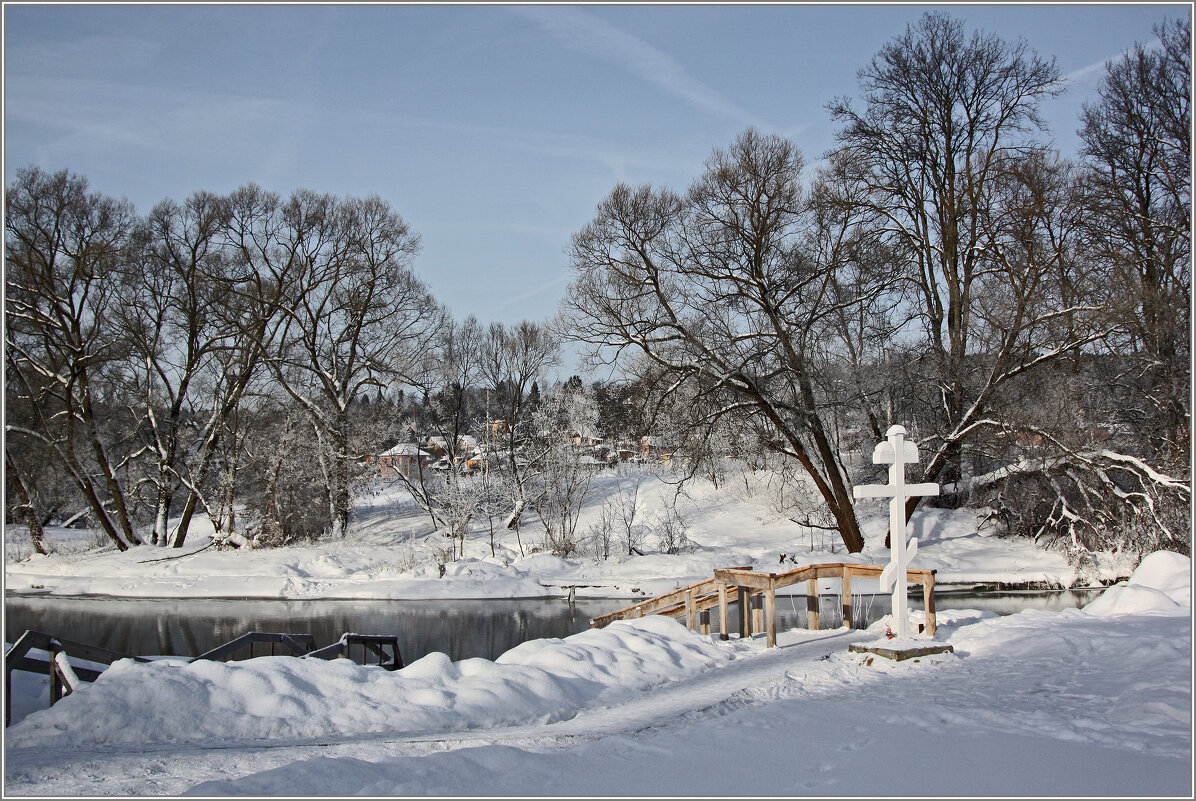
{"x": 259, "y": 282}
{"x": 727, "y": 293}
{"x": 167, "y": 313}
{"x": 62, "y": 245}
{"x": 360, "y": 318}
{"x": 945, "y": 154}
{"x": 1137, "y": 150}
{"x": 511, "y": 361}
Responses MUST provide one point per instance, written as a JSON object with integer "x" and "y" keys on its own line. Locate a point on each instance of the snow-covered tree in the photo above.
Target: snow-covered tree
{"x": 561, "y": 476}
{"x": 170, "y": 292}
{"x": 511, "y": 361}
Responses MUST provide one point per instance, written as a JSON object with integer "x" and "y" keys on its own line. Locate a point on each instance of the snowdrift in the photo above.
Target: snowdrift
{"x": 283, "y": 697}
{"x": 1161, "y": 585}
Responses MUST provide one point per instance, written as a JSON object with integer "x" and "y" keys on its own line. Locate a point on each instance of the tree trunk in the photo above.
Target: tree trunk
{"x": 26, "y": 508}
{"x": 162, "y": 518}
{"x": 338, "y": 474}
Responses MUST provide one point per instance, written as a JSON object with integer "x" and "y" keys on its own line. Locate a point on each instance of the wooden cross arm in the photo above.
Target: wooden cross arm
{"x": 887, "y": 490}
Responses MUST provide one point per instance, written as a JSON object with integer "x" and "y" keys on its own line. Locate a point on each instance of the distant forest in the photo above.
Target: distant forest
{"x": 1026, "y": 317}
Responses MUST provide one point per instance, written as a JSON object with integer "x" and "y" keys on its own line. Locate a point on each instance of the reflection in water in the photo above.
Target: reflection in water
{"x": 462, "y": 629}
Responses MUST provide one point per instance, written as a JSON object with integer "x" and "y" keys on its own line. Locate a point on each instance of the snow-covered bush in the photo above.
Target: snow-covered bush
{"x": 1099, "y": 502}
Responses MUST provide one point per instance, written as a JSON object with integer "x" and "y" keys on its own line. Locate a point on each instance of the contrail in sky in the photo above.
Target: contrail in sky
{"x": 588, "y": 34}
{"x": 1099, "y": 66}
{"x": 542, "y": 288}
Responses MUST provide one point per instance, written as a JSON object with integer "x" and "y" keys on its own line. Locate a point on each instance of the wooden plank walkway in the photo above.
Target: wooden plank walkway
{"x": 755, "y": 595}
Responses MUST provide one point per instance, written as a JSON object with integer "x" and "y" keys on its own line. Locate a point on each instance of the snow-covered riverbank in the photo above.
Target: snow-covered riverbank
{"x": 1081, "y": 702}
{"x": 392, "y": 552}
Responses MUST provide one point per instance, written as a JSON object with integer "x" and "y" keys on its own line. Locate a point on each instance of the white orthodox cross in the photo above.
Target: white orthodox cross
{"x": 896, "y": 452}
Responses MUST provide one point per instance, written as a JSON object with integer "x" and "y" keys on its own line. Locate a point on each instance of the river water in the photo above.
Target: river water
{"x": 462, "y": 629}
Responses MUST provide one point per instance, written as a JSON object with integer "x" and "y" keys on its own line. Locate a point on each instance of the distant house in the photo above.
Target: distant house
{"x": 585, "y": 438}
{"x": 466, "y": 445}
{"x": 652, "y": 448}
{"x": 405, "y": 458}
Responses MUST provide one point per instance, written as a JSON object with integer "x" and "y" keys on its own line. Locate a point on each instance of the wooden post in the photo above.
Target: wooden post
{"x": 55, "y": 679}
{"x": 812, "y": 604}
{"x": 928, "y": 599}
{"x": 745, "y": 612}
{"x": 691, "y": 611}
{"x": 846, "y": 590}
{"x": 758, "y": 612}
{"x": 723, "y": 617}
{"x": 770, "y": 615}
{"x": 639, "y": 611}
{"x": 704, "y": 617}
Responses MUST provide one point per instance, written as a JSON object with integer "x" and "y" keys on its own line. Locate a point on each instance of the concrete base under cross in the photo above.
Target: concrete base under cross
{"x": 900, "y": 653}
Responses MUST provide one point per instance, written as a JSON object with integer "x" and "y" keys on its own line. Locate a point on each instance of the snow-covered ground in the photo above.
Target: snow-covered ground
{"x": 1082, "y": 702}
{"x": 392, "y": 551}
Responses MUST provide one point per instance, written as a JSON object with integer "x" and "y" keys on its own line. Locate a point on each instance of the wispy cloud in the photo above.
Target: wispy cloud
{"x": 1086, "y": 74}
{"x": 588, "y": 34}
{"x": 92, "y": 114}
{"x": 624, "y": 163}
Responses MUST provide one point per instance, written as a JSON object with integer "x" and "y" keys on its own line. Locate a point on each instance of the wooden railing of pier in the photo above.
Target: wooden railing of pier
{"x": 65, "y": 677}
{"x": 755, "y": 595}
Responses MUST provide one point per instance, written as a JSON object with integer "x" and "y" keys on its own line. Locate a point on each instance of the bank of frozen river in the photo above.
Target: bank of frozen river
{"x": 390, "y": 553}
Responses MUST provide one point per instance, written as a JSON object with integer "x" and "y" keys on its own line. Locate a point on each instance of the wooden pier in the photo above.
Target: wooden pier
{"x": 755, "y": 596}
{"x": 365, "y": 649}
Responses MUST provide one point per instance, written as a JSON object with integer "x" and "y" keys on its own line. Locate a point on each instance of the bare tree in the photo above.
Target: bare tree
{"x": 1137, "y": 149}
{"x": 168, "y": 296}
{"x": 943, "y": 144}
{"x": 449, "y": 369}
{"x": 511, "y": 361}
{"x": 62, "y": 244}
{"x": 359, "y": 319}
{"x": 259, "y": 281}
{"x": 726, "y": 293}
{"x": 561, "y": 479}
{"x": 626, "y": 510}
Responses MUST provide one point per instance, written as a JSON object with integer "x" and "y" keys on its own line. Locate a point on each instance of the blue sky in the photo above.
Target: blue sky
{"x": 495, "y": 130}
